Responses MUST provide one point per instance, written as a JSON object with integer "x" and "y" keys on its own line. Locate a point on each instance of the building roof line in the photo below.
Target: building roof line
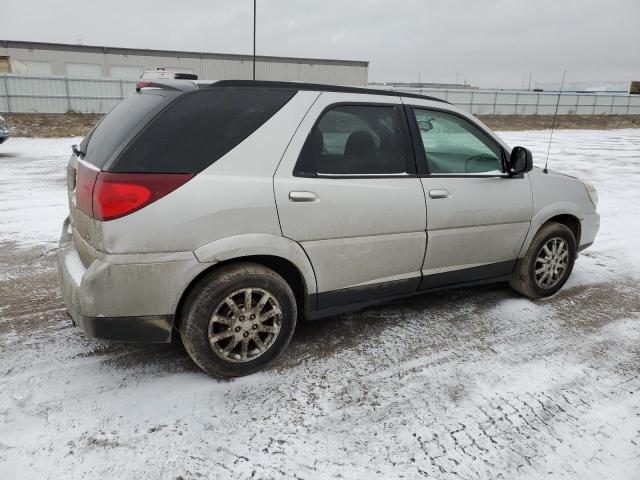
{"x": 170, "y": 53}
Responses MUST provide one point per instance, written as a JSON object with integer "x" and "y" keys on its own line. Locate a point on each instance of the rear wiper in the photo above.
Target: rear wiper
{"x": 77, "y": 152}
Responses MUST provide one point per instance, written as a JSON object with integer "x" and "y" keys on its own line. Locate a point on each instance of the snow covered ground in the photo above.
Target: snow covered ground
{"x": 469, "y": 383}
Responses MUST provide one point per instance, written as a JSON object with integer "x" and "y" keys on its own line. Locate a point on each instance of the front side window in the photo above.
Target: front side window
{"x": 453, "y": 145}
{"x": 354, "y": 140}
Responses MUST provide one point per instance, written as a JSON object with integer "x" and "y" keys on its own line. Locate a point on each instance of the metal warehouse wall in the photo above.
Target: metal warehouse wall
{"x": 60, "y": 58}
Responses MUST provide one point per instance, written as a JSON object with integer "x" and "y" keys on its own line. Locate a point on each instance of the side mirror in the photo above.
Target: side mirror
{"x": 520, "y": 161}
{"x": 425, "y": 125}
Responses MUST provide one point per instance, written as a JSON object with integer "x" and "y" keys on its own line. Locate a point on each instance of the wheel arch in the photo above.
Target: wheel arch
{"x": 566, "y": 213}
{"x": 282, "y": 255}
{"x": 570, "y": 221}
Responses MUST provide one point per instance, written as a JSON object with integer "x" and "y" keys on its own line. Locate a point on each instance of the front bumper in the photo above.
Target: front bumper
{"x": 590, "y": 225}
{"x": 130, "y": 298}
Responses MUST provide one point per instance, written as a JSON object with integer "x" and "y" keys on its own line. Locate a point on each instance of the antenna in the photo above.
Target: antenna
{"x": 254, "y": 39}
{"x": 553, "y": 126}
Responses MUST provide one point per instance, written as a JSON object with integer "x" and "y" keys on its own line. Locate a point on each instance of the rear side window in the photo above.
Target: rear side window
{"x": 354, "y": 140}
{"x": 199, "y": 128}
{"x": 117, "y": 127}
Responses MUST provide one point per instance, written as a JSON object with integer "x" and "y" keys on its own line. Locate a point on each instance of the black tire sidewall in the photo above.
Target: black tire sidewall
{"x": 566, "y": 234}
{"x": 195, "y": 323}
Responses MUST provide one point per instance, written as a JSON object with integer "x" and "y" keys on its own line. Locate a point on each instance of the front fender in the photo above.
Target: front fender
{"x": 546, "y": 213}
{"x": 239, "y": 246}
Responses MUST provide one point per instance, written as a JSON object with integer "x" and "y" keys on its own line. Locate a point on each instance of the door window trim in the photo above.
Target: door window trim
{"x": 410, "y": 163}
{"x": 420, "y": 156}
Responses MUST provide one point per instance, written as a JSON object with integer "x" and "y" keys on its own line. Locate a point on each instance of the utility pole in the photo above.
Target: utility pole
{"x": 254, "y": 39}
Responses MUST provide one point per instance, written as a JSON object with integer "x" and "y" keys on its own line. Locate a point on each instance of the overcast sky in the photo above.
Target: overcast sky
{"x": 486, "y": 42}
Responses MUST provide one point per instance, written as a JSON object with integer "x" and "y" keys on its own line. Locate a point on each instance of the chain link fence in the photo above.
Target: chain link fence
{"x": 33, "y": 94}
{"x": 514, "y": 102}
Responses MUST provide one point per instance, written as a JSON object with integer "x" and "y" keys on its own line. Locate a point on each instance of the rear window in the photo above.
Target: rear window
{"x": 199, "y": 128}
{"x": 119, "y": 126}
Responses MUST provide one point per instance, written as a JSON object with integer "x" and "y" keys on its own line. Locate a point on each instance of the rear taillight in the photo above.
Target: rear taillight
{"x": 85, "y": 181}
{"x": 107, "y": 196}
{"x": 118, "y": 194}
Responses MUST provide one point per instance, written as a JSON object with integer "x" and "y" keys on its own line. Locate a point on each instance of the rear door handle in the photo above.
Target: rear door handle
{"x": 439, "y": 193}
{"x": 303, "y": 197}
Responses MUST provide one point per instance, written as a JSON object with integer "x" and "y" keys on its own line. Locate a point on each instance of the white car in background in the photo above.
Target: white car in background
{"x": 4, "y": 131}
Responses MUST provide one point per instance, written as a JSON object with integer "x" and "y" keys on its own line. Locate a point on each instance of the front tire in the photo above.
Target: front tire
{"x": 548, "y": 262}
{"x": 238, "y": 319}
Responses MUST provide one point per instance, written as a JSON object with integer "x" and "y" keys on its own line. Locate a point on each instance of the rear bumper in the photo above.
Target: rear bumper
{"x": 144, "y": 329}
{"x": 130, "y": 299}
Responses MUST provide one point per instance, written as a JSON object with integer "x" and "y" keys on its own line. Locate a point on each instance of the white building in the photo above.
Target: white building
{"x": 35, "y": 58}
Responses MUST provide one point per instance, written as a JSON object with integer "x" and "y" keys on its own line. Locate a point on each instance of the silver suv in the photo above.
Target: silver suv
{"x": 225, "y": 212}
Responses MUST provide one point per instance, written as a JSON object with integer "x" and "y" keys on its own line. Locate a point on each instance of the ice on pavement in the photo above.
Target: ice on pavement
{"x": 33, "y": 198}
{"x": 464, "y": 384}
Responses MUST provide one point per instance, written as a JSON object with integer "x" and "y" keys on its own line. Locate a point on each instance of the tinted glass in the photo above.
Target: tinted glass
{"x": 454, "y": 146}
{"x": 199, "y": 128}
{"x": 126, "y": 118}
{"x": 354, "y": 140}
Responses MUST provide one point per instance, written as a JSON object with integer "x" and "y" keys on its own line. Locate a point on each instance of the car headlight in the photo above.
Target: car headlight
{"x": 593, "y": 194}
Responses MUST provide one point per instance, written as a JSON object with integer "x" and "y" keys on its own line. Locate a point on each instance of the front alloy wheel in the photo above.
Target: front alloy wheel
{"x": 551, "y": 263}
{"x": 548, "y": 262}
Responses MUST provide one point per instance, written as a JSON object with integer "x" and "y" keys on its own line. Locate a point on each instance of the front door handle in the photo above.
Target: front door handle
{"x": 303, "y": 197}
{"x": 439, "y": 193}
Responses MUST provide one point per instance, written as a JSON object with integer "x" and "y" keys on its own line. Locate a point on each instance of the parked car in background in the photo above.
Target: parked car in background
{"x": 4, "y": 131}
{"x": 226, "y": 212}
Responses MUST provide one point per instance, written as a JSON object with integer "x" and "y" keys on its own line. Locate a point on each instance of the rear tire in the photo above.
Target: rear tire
{"x": 238, "y": 319}
{"x": 548, "y": 262}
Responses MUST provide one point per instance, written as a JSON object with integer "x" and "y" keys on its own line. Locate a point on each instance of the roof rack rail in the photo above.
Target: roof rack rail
{"x": 318, "y": 87}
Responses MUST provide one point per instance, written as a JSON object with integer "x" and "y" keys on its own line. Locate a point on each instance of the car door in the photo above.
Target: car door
{"x": 346, "y": 190}
{"x": 477, "y": 215}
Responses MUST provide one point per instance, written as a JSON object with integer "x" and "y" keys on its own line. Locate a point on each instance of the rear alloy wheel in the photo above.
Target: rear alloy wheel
{"x": 245, "y": 325}
{"x": 548, "y": 262}
{"x": 238, "y": 319}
